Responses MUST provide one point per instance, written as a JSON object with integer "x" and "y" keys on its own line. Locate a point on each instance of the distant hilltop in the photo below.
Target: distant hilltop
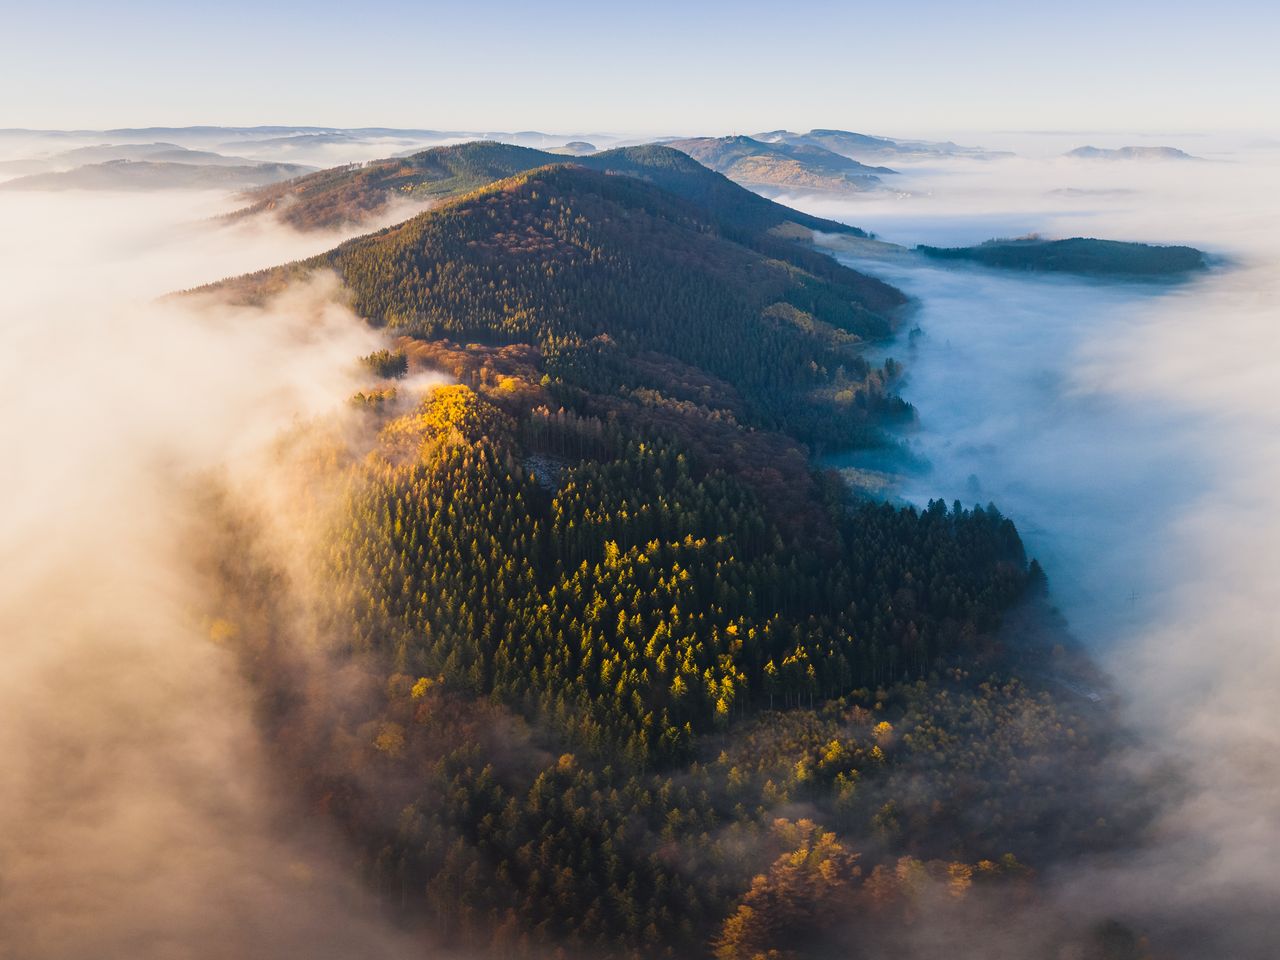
{"x": 781, "y": 165}
{"x": 1130, "y": 153}
{"x": 575, "y": 148}
{"x": 861, "y": 146}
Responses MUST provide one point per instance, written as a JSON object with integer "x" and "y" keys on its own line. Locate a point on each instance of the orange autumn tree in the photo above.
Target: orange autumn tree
{"x": 782, "y": 910}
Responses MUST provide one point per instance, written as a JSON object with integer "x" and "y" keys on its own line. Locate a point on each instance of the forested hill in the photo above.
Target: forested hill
{"x": 353, "y": 194}
{"x": 720, "y": 198}
{"x": 591, "y": 269}
{"x": 614, "y": 672}
{"x": 782, "y": 166}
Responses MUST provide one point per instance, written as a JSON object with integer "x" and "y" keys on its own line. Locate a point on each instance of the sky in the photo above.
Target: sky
{"x": 696, "y": 66}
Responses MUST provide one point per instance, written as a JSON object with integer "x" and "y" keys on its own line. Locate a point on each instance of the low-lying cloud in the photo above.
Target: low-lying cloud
{"x": 1132, "y": 432}
{"x": 139, "y": 813}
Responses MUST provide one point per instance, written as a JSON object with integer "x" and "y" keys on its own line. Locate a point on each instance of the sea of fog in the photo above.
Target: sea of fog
{"x": 1011, "y": 414}
{"x": 140, "y": 815}
{"x": 1132, "y": 431}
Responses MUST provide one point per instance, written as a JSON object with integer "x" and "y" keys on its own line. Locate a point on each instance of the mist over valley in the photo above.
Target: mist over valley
{"x": 423, "y": 543}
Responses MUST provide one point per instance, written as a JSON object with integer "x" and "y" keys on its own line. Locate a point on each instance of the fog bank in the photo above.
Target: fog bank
{"x": 1131, "y": 431}
{"x": 139, "y": 816}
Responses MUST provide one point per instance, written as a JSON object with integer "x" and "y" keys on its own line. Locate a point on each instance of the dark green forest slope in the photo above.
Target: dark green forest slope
{"x": 614, "y": 671}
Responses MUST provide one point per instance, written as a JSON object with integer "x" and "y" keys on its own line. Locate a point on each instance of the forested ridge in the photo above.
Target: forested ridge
{"x": 353, "y": 193}
{"x": 613, "y": 670}
{"x": 592, "y": 268}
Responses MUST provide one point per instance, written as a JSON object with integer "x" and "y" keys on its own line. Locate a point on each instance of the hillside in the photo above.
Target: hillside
{"x": 156, "y": 175}
{"x": 575, "y": 262}
{"x": 1079, "y": 255}
{"x": 781, "y": 166}
{"x": 614, "y": 670}
{"x": 355, "y": 193}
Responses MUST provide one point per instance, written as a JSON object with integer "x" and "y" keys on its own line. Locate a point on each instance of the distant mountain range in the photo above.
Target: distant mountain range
{"x": 268, "y": 130}
{"x": 273, "y": 138}
{"x": 275, "y": 135}
{"x": 107, "y": 152}
{"x": 157, "y": 175}
{"x": 317, "y": 147}
{"x": 861, "y": 146}
{"x": 781, "y": 165}
{"x": 1130, "y": 153}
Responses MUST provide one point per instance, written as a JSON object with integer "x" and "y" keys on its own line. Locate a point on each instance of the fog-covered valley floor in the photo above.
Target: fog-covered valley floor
{"x": 1130, "y": 430}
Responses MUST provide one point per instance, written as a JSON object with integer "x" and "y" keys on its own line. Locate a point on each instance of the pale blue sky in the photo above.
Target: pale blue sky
{"x": 904, "y": 67}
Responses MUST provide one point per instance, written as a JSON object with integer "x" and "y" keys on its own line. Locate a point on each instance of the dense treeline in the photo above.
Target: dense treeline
{"x": 387, "y": 364}
{"x": 640, "y": 602}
